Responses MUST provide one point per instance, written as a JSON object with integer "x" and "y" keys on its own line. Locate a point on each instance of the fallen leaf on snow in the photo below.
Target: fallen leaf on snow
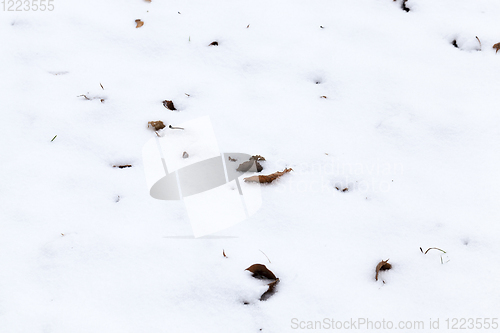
{"x": 251, "y": 165}
{"x": 156, "y": 125}
{"x": 268, "y": 178}
{"x": 139, "y": 23}
{"x": 169, "y": 105}
{"x": 214, "y": 43}
{"x": 260, "y": 271}
{"x": 270, "y": 291}
{"x": 382, "y": 266}
{"x": 496, "y": 47}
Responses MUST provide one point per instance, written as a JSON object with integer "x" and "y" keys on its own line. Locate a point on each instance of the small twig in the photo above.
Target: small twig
{"x": 266, "y": 256}
{"x": 224, "y": 253}
{"x": 187, "y": 94}
{"x": 101, "y": 86}
{"x": 173, "y": 127}
{"x": 480, "y": 46}
{"x": 434, "y": 248}
{"x": 53, "y": 138}
{"x": 84, "y": 96}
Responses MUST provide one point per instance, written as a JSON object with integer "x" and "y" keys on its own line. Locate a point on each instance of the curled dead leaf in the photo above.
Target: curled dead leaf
{"x": 496, "y": 47}
{"x": 260, "y": 271}
{"x": 382, "y": 266}
{"x": 270, "y": 291}
{"x": 156, "y": 125}
{"x": 268, "y": 178}
{"x": 214, "y": 43}
{"x": 169, "y": 105}
{"x": 139, "y": 23}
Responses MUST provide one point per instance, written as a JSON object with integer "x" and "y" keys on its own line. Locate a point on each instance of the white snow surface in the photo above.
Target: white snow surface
{"x": 410, "y": 125}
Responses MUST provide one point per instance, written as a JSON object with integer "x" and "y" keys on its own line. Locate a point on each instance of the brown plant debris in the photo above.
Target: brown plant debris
{"x": 147, "y": 0}
{"x": 454, "y": 43}
{"x": 403, "y": 6}
{"x": 185, "y": 155}
{"x": 101, "y": 86}
{"x": 382, "y": 266}
{"x": 343, "y": 190}
{"x": 260, "y": 271}
{"x": 84, "y": 96}
{"x": 257, "y": 158}
{"x": 139, "y": 23}
{"x": 268, "y": 178}
{"x": 323, "y": 97}
{"x": 251, "y": 165}
{"x": 232, "y": 159}
{"x": 496, "y": 47}
{"x": 122, "y": 166}
{"x": 214, "y": 43}
{"x": 432, "y": 248}
{"x": 169, "y": 105}
{"x": 175, "y": 127}
{"x": 91, "y": 98}
{"x": 224, "y": 253}
{"x": 156, "y": 125}
{"x": 270, "y": 291}
{"x": 479, "y": 41}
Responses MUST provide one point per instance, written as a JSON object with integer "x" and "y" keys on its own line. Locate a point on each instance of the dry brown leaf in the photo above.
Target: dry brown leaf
{"x": 382, "y": 266}
{"x": 156, "y": 125}
{"x": 214, "y": 43}
{"x": 261, "y": 272}
{"x": 169, "y": 105}
{"x": 496, "y": 47}
{"x": 185, "y": 155}
{"x": 224, "y": 253}
{"x": 232, "y": 159}
{"x": 251, "y": 165}
{"x": 139, "y": 23}
{"x": 268, "y": 178}
{"x": 122, "y": 166}
{"x": 270, "y": 291}
{"x": 257, "y": 158}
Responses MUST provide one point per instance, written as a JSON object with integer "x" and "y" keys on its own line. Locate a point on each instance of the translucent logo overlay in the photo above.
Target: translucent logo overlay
{"x": 186, "y": 164}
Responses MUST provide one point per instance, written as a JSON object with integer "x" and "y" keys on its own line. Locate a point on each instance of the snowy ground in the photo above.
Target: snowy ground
{"x": 410, "y": 125}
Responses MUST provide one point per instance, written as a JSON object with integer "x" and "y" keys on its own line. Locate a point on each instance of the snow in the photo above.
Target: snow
{"x": 410, "y": 126}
